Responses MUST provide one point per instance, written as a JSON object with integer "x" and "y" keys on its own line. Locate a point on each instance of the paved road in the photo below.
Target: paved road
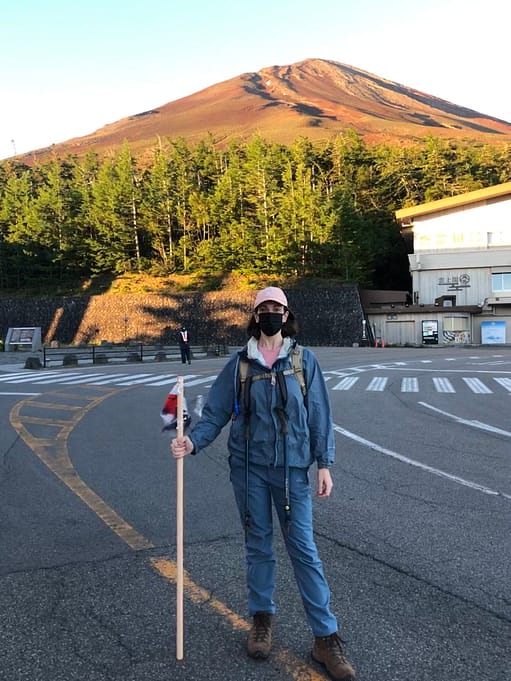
{"x": 415, "y": 540}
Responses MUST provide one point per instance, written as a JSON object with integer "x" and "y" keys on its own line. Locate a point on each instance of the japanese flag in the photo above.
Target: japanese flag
{"x": 169, "y": 411}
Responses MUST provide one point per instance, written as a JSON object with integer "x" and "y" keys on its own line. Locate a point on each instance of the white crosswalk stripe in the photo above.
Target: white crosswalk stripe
{"x": 378, "y": 384}
{"x": 477, "y": 386}
{"x": 8, "y": 378}
{"x": 346, "y": 383}
{"x": 199, "y": 381}
{"x": 73, "y": 379}
{"x": 504, "y": 382}
{"x": 410, "y": 385}
{"x": 111, "y": 380}
{"x": 443, "y": 385}
{"x": 44, "y": 378}
{"x": 164, "y": 379}
{"x": 137, "y": 379}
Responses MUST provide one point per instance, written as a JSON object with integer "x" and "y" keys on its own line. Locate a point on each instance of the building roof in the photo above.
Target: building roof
{"x": 477, "y": 196}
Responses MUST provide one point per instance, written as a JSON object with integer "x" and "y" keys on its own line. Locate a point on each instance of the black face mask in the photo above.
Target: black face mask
{"x": 270, "y": 323}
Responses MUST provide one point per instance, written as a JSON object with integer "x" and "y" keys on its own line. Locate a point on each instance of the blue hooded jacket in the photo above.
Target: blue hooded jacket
{"x": 310, "y": 436}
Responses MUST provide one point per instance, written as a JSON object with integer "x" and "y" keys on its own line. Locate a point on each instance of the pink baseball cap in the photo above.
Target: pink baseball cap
{"x": 272, "y": 293}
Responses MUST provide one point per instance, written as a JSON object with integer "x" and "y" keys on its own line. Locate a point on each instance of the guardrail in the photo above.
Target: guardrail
{"x": 112, "y": 354}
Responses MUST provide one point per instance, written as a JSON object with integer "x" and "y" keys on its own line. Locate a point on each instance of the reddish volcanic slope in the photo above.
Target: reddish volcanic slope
{"x": 313, "y": 98}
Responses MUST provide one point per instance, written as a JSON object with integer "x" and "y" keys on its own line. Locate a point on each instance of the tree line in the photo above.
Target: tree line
{"x": 308, "y": 209}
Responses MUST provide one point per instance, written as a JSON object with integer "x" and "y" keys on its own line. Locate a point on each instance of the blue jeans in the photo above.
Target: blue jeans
{"x": 267, "y": 484}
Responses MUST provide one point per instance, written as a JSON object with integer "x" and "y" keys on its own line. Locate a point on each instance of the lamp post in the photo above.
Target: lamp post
{"x": 126, "y": 320}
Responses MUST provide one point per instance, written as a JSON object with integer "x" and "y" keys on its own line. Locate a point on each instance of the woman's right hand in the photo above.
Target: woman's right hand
{"x": 181, "y": 446}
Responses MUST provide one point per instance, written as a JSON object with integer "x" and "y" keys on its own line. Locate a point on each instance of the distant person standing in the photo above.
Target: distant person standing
{"x": 184, "y": 345}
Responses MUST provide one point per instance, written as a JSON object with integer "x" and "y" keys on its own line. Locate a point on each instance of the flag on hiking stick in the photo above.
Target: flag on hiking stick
{"x": 168, "y": 412}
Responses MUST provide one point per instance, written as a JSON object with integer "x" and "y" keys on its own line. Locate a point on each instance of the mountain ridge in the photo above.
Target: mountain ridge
{"x": 315, "y": 98}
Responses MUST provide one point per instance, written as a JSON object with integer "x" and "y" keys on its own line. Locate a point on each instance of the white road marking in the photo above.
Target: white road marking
{"x": 63, "y": 379}
{"x": 412, "y": 462}
{"x": 504, "y": 382}
{"x": 346, "y": 378}
{"x": 197, "y": 381}
{"x": 22, "y": 394}
{"x": 378, "y": 384}
{"x": 409, "y": 385}
{"x": 47, "y": 379}
{"x": 346, "y": 383}
{"x": 443, "y": 385}
{"x": 23, "y": 374}
{"x": 163, "y": 379}
{"x": 477, "y": 386}
{"x": 111, "y": 379}
{"x": 146, "y": 378}
{"x": 467, "y": 422}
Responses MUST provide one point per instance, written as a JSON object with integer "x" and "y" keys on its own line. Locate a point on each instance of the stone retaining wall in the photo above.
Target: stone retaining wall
{"x": 329, "y": 317}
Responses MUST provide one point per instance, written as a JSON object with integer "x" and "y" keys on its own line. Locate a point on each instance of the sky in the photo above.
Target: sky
{"x": 69, "y": 67}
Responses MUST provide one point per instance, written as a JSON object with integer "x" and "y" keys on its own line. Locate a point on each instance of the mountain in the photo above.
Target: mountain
{"x": 315, "y": 98}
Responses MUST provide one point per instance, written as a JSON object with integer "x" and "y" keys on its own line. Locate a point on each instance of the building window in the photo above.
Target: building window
{"x": 501, "y": 281}
{"x": 455, "y": 323}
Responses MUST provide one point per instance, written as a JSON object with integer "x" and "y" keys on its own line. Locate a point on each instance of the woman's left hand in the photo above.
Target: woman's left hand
{"x": 325, "y": 483}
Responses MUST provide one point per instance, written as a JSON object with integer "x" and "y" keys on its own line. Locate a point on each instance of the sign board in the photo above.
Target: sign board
{"x": 493, "y": 333}
{"x": 23, "y": 338}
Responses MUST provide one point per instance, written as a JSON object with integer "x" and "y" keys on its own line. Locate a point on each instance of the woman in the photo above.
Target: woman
{"x": 276, "y": 434}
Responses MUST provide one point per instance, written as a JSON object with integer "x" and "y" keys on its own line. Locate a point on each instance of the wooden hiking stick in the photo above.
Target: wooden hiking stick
{"x": 179, "y": 525}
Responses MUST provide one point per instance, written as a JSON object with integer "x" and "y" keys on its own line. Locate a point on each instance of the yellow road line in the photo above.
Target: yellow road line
{"x": 297, "y": 668}
{"x": 54, "y": 454}
{"x": 45, "y": 421}
{"x": 51, "y": 405}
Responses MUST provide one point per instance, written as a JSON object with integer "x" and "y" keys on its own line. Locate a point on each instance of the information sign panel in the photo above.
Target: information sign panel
{"x": 493, "y": 333}
{"x": 23, "y": 338}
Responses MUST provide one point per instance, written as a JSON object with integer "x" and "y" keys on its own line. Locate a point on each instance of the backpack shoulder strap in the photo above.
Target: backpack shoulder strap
{"x": 243, "y": 371}
{"x": 297, "y": 364}
{"x": 245, "y": 382}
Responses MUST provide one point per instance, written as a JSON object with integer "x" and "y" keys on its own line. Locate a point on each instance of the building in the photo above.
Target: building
{"x": 460, "y": 264}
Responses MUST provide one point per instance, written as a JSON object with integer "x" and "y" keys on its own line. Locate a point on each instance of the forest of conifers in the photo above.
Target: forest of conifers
{"x": 322, "y": 210}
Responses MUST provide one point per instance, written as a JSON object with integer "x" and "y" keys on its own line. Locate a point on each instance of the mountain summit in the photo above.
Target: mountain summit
{"x": 315, "y": 98}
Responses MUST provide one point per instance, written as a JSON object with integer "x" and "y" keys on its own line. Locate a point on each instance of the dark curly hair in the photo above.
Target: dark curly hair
{"x": 289, "y": 328}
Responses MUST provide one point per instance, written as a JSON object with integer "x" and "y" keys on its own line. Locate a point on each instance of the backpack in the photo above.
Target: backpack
{"x": 296, "y": 369}
{"x": 244, "y": 398}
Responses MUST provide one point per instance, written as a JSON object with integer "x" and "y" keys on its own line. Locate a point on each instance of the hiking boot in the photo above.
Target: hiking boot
{"x": 259, "y": 637}
{"x": 328, "y": 651}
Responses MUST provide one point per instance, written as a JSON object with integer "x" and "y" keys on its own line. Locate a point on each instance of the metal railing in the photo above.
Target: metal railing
{"x": 116, "y": 354}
